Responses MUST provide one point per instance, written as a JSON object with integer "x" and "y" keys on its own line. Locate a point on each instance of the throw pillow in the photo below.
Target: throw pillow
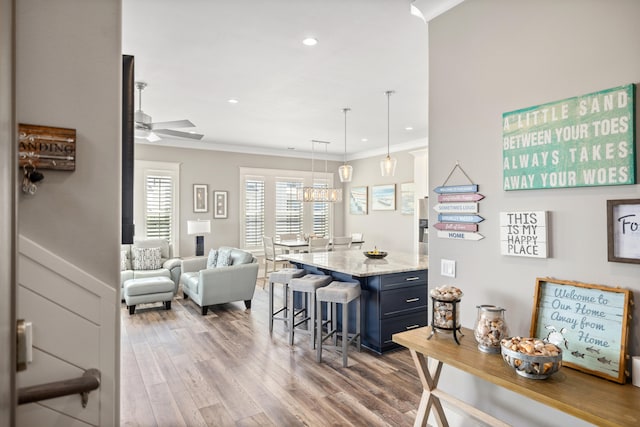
{"x": 125, "y": 264}
{"x": 147, "y": 258}
{"x": 224, "y": 258}
{"x": 212, "y": 260}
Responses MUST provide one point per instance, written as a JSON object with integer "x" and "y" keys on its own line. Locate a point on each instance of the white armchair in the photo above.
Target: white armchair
{"x": 220, "y": 285}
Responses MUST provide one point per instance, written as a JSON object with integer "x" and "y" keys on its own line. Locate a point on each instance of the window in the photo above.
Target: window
{"x": 155, "y": 201}
{"x": 271, "y": 207}
{"x": 158, "y": 206}
{"x": 289, "y": 214}
{"x": 253, "y": 211}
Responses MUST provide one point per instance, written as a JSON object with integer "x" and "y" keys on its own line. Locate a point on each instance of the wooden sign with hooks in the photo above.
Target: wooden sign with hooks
{"x": 45, "y": 147}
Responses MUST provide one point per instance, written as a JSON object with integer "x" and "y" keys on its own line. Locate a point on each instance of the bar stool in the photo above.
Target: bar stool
{"x": 307, "y": 284}
{"x": 338, "y": 293}
{"x": 281, "y": 276}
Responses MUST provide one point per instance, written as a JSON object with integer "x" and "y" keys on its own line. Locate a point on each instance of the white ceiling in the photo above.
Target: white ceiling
{"x": 195, "y": 55}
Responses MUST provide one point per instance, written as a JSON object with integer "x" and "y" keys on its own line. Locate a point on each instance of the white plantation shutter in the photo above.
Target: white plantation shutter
{"x": 270, "y": 205}
{"x": 253, "y": 211}
{"x": 158, "y": 206}
{"x": 289, "y": 214}
{"x": 321, "y": 212}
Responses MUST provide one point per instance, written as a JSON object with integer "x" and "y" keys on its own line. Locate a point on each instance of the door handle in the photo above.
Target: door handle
{"x": 21, "y": 347}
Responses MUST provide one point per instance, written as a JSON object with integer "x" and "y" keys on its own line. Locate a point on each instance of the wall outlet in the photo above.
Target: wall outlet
{"x": 447, "y": 268}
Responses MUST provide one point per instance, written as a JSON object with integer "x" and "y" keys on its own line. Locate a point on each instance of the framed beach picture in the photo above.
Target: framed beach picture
{"x": 358, "y": 201}
{"x": 220, "y": 204}
{"x": 407, "y": 198}
{"x": 383, "y": 197}
{"x": 200, "y": 200}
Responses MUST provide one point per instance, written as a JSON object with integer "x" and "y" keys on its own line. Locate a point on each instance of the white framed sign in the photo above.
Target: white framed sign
{"x": 524, "y": 234}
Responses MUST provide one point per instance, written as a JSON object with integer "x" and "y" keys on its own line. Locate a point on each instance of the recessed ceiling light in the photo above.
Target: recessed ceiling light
{"x": 408, "y": 128}
{"x": 364, "y": 140}
{"x": 232, "y": 101}
{"x": 310, "y": 41}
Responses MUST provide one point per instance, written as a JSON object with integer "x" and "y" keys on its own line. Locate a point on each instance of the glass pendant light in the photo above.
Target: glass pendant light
{"x": 345, "y": 171}
{"x": 388, "y": 164}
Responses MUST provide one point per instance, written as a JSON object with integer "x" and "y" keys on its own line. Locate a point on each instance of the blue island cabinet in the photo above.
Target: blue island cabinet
{"x": 392, "y": 303}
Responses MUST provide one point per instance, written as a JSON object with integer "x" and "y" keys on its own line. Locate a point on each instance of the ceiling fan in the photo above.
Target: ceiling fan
{"x": 146, "y": 129}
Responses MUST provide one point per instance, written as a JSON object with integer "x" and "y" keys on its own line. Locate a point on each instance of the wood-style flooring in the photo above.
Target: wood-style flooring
{"x": 180, "y": 368}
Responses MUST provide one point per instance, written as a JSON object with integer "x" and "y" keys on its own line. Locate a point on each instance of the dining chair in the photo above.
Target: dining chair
{"x": 356, "y": 237}
{"x": 318, "y": 244}
{"x": 341, "y": 243}
{"x": 271, "y": 257}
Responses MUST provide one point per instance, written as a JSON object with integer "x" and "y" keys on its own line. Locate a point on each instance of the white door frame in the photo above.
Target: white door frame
{"x": 8, "y": 206}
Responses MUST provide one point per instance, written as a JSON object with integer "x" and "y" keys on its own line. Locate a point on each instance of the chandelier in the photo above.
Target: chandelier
{"x": 319, "y": 194}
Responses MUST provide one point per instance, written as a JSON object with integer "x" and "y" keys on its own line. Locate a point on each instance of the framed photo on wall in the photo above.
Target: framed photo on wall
{"x": 407, "y": 198}
{"x": 383, "y": 197}
{"x": 358, "y": 200}
{"x": 200, "y": 201}
{"x": 623, "y": 230}
{"x": 220, "y": 204}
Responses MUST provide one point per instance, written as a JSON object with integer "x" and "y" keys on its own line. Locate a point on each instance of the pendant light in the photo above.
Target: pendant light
{"x": 388, "y": 164}
{"x": 345, "y": 171}
{"x": 319, "y": 194}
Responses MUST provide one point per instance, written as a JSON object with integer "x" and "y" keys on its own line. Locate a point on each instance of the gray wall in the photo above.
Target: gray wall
{"x": 220, "y": 170}
{"x": 68, "y": 69}
{"x": 387, "y": 230}
{"x": 493, "y": 56}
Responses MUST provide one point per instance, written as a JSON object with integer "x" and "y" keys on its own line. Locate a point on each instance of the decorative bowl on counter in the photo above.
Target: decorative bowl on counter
{"x": 375, "y": 254}
{"x": 531, "y": 357}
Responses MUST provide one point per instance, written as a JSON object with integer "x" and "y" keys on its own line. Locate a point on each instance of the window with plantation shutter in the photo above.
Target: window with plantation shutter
{"x": 156, "y": 214}
{"x": 289, "y": 214}
{"x": 158, "y": 207}
{"x": 321, "y": 213}
{"x": 253, "y": 212}
{"x": 270, "y": 205}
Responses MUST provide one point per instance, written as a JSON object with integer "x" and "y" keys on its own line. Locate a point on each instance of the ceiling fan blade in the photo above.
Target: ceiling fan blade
{"x": 180, "y": 134}
{"x": 172, "y": 124}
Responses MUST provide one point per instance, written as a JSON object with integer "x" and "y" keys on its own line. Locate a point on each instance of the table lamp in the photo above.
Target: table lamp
{"x": 198, "y": 228}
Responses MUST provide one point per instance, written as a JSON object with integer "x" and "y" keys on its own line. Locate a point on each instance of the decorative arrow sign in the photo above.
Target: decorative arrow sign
{"x": 459, "y": 218}
{"x": 471, "y": 207}
{"x": 455, "y": 226}
{"x": 470, "y": 188}
{"x": 459, "y": 235}
{"x": 469, "y": 197}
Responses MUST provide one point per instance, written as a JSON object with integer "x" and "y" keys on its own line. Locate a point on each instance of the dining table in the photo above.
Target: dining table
{"x": 300, "y": 245}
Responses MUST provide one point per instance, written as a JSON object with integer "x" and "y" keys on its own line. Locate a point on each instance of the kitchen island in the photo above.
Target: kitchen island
{"x": 394, "y": 290}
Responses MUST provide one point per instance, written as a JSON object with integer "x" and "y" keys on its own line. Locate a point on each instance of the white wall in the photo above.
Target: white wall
{"x": 493, "y": 56}
{"x": 68, "y": 68}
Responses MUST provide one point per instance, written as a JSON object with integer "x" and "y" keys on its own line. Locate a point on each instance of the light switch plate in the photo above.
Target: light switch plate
{"x": 448, "y": 268}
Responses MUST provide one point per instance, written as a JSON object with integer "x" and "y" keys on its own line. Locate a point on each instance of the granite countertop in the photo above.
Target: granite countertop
{"x": 354, "y": 263}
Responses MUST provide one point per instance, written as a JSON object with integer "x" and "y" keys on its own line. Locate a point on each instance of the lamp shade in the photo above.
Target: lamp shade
{"x": 388, "y": 166}
{"x": 345, "y": 172}
{"x": 198, "y": 227}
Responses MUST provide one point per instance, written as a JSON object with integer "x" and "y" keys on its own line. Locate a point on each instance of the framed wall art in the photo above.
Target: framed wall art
{"x": 383, "y": 197}
{"x": 200, "y": 200}
{"x": 623, "y": 230}
{"x": 407, "y": 198}
{"x": 590, "y": 323}
{"x": 220, "y": 204}
{"x": 358, "y": 200}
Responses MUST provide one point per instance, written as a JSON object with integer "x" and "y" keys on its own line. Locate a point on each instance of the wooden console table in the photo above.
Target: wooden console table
{"x": 590, "y": 398}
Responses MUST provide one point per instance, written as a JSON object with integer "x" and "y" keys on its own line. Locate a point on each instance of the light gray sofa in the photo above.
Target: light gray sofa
{"x": 170, "y": 267}
{"x": 220, "y": 285}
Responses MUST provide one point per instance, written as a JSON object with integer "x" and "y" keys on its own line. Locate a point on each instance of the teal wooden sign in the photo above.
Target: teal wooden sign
{"x": 589, "y": 322}
{"x": 582, "y": 141}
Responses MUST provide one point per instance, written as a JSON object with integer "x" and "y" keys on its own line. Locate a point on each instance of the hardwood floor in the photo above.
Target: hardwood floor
{"x": 223, "y": 369}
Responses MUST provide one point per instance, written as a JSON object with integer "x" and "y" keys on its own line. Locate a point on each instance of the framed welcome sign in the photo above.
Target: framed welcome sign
{"x": 590, "y": 323}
